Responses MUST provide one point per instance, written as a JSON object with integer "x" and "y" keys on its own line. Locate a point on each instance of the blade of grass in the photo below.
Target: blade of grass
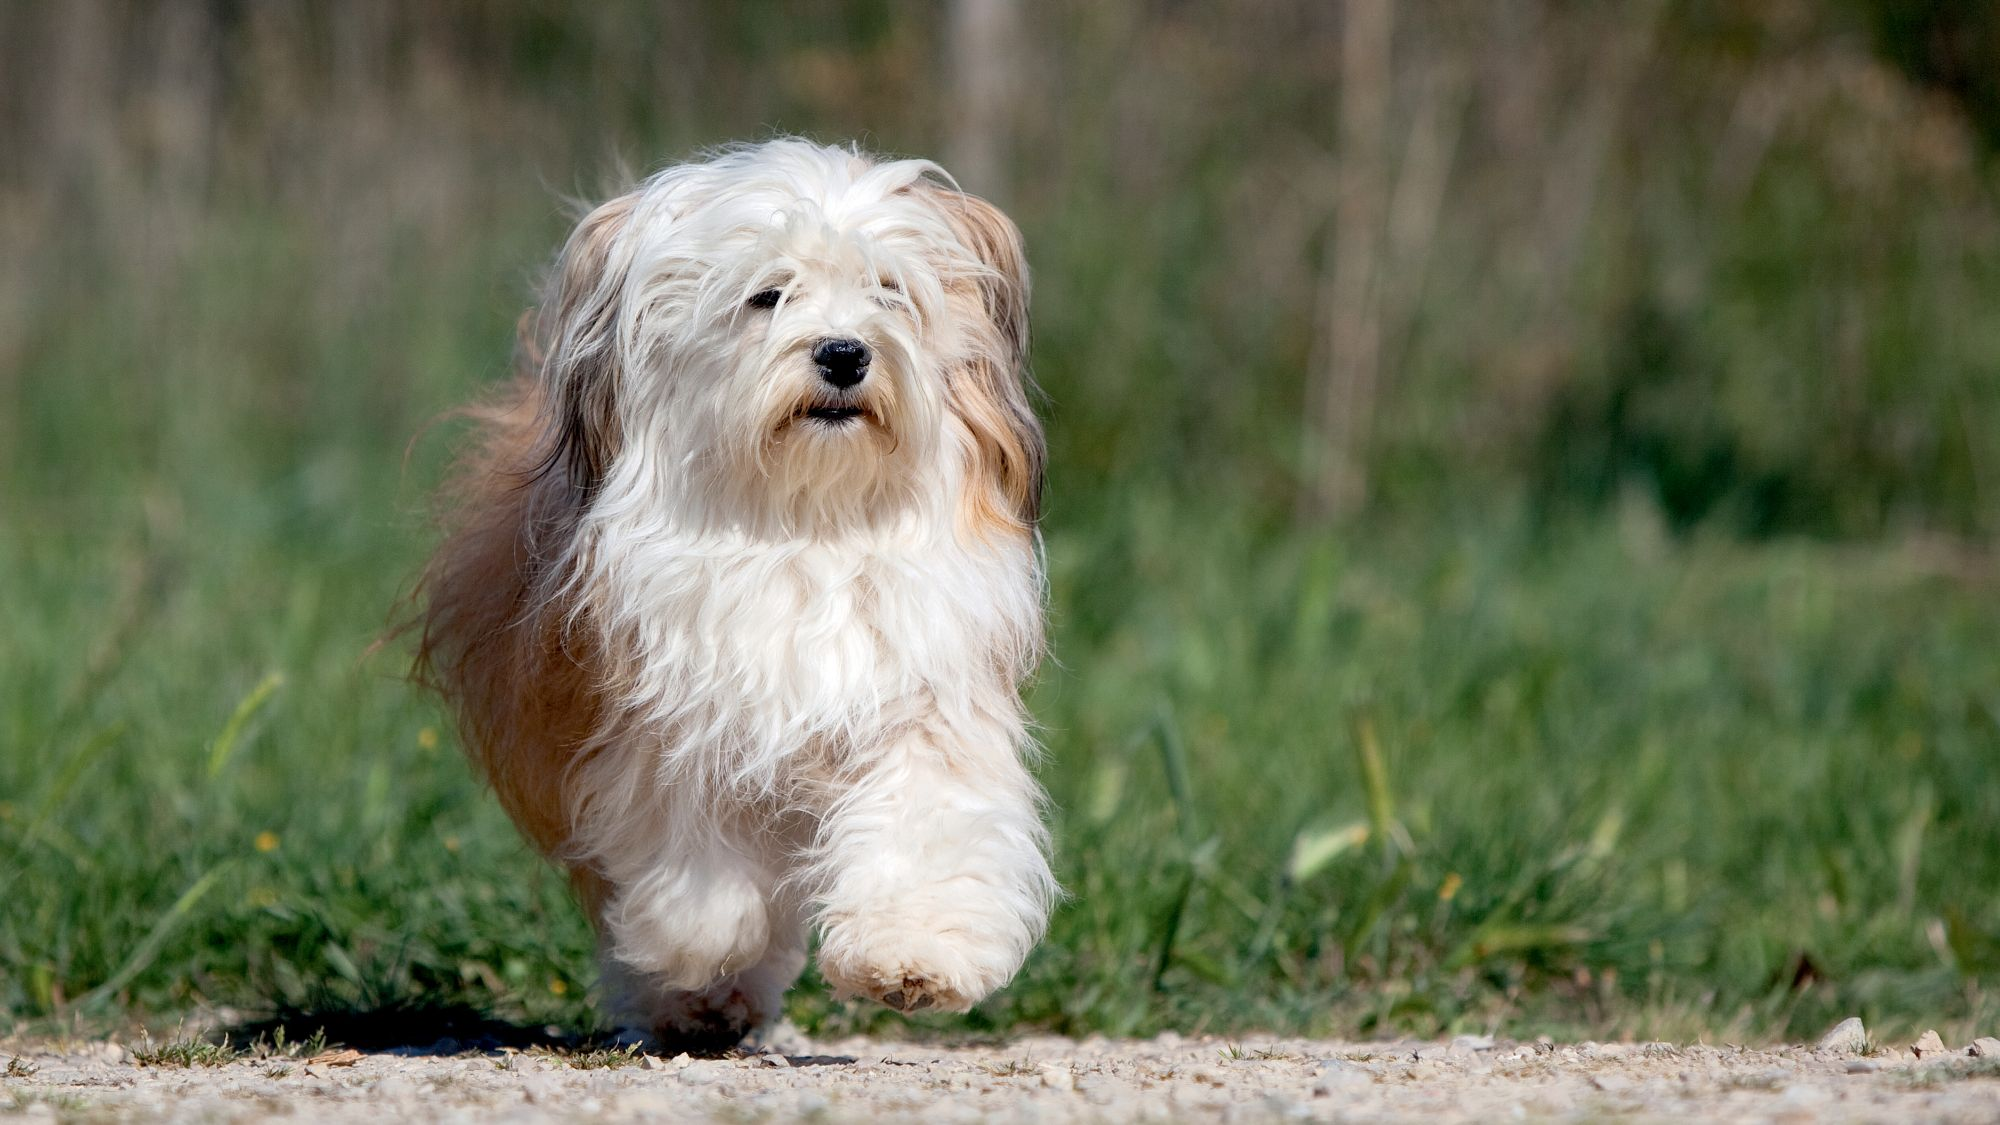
{"x": 1910, "y": 849}
{"x": 72, "y": 771}
{"x": 1173, "y": 755}
{"x": 161, "y": 931}
{"x": 232, "y": 731}
{"x": 1375, "y": 782}
{"x": 1163, "y": 954}
{"x": 1316, "y": 847}
{"x": 1180, "y": 788}
{"x": 1489, "y": 941}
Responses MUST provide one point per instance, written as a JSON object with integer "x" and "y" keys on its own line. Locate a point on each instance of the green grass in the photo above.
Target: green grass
{"x": 1416, "y": 776}
{"x": 185, "y": 1049}
{"x": 594, "y": 1057}
{"x": 182, "y": 1052}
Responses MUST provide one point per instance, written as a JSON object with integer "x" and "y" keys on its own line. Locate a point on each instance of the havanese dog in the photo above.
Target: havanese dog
{"x": 741, "y": 581}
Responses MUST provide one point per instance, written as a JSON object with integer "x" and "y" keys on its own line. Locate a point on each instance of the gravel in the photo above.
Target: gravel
{"x": 1028, "y": 1079}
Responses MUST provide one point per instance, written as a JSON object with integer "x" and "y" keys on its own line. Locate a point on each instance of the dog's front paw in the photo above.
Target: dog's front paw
{"x": 910, "y": 967}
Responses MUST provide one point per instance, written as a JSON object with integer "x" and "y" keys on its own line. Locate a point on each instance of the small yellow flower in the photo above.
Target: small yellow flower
{"x": 1448, "y": 889}
{"x": 558, "y": 986}
{"x": 267, "y": 841}
{"x": 451, "y": 844}
{"x": 428, "y": 738}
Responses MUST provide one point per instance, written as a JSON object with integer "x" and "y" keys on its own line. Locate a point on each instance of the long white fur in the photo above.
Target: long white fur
{"x": 819, "y": 720}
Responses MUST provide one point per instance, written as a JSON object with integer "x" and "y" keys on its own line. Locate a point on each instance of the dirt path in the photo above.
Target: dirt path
{"x": 1034, "y": 1079}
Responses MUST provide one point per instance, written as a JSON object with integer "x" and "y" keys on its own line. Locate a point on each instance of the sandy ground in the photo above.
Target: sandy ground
{"x": 1031, "y": 1079}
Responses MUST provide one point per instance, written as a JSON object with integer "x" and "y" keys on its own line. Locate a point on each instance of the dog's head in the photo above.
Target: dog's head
{"x": 793, "y": 337}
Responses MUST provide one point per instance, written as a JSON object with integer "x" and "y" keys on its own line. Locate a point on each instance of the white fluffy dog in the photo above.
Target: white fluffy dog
{"x": 742, "y": 580}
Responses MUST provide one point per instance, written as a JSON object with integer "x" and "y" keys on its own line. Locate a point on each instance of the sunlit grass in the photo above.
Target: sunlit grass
{"x": 1411, "y": 778}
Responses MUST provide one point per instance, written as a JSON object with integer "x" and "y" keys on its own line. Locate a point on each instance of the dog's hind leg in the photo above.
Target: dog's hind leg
{"x": 718, "y": 1015}
{"x": 700, "y": 940}
{"x": 689, "y": 918}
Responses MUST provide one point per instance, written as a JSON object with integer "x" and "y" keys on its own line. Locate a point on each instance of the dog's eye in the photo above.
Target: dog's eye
{"x": 888, "y": 294}
{"x": 767, "y": 299}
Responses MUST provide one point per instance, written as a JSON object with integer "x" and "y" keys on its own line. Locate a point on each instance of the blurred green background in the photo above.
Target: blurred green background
{"x": 1522, "y": 518}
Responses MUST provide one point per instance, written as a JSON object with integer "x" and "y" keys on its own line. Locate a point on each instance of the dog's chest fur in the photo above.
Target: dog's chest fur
{"x": 741, "y": 652}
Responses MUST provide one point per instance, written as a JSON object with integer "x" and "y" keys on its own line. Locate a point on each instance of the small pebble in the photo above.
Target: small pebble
{"x": 1928, "y": 1044}
{"x": 1848, "y": 1037}
{"x": 1984, "y": 1047}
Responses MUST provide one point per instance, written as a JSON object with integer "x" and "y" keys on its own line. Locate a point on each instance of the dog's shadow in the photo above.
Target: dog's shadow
{"x": 449, "y": 1030}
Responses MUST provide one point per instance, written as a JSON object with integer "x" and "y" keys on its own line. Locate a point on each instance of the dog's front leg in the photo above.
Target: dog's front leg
{"x": 931, "y": 877}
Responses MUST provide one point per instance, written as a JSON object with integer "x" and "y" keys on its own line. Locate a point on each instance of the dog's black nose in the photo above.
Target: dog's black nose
{"x": 842, "y": 362}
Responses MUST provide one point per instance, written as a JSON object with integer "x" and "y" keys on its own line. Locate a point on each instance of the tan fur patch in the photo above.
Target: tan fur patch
{"x": 503, "y": 638}
{"x": 990, "y": 393}
{"x": 574, "y": 344}
{"x": 498, "y": 639}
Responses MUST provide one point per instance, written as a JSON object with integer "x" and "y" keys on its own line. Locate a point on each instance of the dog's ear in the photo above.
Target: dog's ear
{"x": 993, "y": 395}
{"x": 576, "y": 350}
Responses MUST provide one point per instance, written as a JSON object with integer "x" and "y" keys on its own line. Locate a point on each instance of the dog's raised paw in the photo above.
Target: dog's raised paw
{"x": 910, "y": 972}
{"x": 913, "y": 994}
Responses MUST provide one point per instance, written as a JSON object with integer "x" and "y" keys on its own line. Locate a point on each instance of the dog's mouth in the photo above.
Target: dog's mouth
{"x": 832, "y": 415}
{"x": 837, "y": 415}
